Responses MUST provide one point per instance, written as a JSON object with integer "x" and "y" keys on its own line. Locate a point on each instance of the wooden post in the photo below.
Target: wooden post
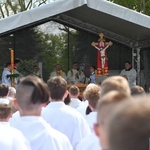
{"x": 12, "y": 66}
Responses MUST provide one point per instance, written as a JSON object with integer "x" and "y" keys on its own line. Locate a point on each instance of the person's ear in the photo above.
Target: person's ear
{"x": 15, "y": 104}
{"x": 44, "y": 104}
{"x": 66, "y": 94}
{"x": 97, "y": 129}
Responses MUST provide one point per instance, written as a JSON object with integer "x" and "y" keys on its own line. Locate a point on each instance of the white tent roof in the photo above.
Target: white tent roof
{"x": 116, "y": 22}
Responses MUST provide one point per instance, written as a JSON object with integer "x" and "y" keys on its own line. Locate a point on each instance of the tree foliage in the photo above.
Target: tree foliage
{"x": 9, "y": 7}
{"x": 142, "y": 6}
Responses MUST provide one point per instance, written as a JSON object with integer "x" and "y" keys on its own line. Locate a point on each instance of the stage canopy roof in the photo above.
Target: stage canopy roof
{"x": 118, "y": 23}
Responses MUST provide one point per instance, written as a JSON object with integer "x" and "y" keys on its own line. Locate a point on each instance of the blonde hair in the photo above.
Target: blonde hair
{"x": 92, "y": 94}
{"x": 117, "y": 83}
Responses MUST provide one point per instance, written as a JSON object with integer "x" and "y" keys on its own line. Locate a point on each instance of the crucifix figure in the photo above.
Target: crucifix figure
{"x": 102, "y": 60}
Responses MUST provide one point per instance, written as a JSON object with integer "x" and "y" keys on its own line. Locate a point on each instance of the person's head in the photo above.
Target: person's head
{"x": 74, "y": 91}
{"x": 92, "y": 94}
{"x": 118, "y": 83}
{"x": 92, "y": 69}
{"x": 32, "y": 92}
{"x": 11, "y": 92}
{"x": 129, "y": 125}
{"x": 17, "y": 62}
{"x": 58, "y": 67}
{"x": 35, "y": 68}
{"x": 128, "y": 65}
{"x": 58, "y": 88}
{"x": 5, "y": 110}
{"x": 75, "y": 65}
{"x": 3, "y": 90}
{"x": 106, "y": 105}
{"x": 137, "y": 90}
{"x": 8, "y": 65}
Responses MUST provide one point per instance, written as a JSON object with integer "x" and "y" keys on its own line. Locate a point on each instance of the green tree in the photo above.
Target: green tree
{"x": 142, "y": 6}
{"x": 54, "y": 51}
{"x": 9, "y": 7}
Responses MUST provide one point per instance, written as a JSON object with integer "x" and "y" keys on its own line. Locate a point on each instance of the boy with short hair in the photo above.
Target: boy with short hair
{"x": 32, "y": 94}
{"x": 74, "y": 93}
{"x": 62, "y": 117}
{"x": 128, "y": 127}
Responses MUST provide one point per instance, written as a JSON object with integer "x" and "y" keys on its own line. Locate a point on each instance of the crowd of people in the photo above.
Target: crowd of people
{"x": 37, "y": 115}
{"x": 75, "y": 75}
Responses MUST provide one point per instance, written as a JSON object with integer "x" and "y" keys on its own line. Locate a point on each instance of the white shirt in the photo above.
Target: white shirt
{"x": 12, "y": 139}
{"x": 75, "y": 103}
{"x": 40, "y": 134}
{"x": 91, "y": 119}
{"x": 66, "y": 120}
{"x": 54, "y": 74}
{"x": 131, "y": 76}
{"x": 6, "y": 80}
{"x": 90, "y": 142}
{"x": 82, "y": 109}
{"x": 71, "y": 76}
{"x": 16, "y": 72}
{"x": 14, "y": 117}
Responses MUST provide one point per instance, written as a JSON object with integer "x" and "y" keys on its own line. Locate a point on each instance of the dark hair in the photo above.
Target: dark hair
{"x": 74, "y": 62}
{"x": 7, "y": 64}
{"x": 17, "y": 60}
{"x": 35, "y": 66}
{"x": 128, "y": 62}
{"x": 3, "y": 90}
{"x": 93, "y": 67}
{"x": 40, "y": 92}
{"x": 57, "y": 87}
{"x": 88, "y": 110}
{"x": 67, "y": 100}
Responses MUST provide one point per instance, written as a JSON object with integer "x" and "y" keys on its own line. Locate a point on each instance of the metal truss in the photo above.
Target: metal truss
{"x": 136, "y": 46}
{"x": 78, "y": 24}
{"x": 136, "y": 63}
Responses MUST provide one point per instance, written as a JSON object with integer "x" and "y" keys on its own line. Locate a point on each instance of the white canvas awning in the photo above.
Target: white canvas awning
{"x": 118, "y": 23}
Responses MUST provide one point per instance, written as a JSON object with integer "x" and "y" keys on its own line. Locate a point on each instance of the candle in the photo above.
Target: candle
{"x": 12, "y": 66}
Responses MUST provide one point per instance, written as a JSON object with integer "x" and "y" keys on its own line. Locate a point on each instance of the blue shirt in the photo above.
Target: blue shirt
{"x": 92, "y": 78}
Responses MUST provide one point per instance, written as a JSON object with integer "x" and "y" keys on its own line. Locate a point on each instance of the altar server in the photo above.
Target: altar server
{"x": 32, "y": 93}
{"x": 62, "y": 117}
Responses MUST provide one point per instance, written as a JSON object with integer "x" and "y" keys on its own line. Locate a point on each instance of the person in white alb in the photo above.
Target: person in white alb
{"x": 32, "y": 94}
{"x": 74, "y": 93}
{"x": 92, "y": 94}
{"x": 74, "y": 75}
{"x": 10, "y": 138}
{"x": 129, "y": 73}
{"x": 58, "y": 72}
{"x": 5, "y": 73}
{"x": 62, "y": 117}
